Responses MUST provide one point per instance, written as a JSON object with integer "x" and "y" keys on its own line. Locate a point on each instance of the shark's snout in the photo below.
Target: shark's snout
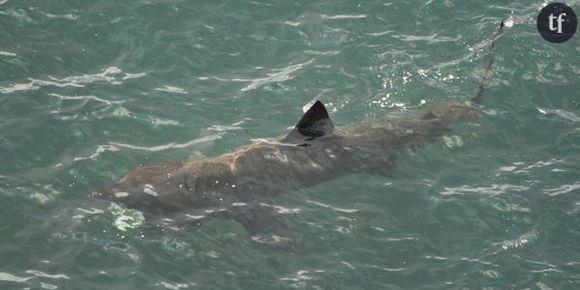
{"x": 139, "y": 198}
{"x": 109, "y": 193}
{"x": 102, "y": 193}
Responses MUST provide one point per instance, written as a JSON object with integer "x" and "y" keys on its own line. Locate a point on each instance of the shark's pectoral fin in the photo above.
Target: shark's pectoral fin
{"x": 417, "y": 144}
{"x": 386, "y": 169}
{"x": 262, "y": 225}
{"x": 313, "y": 124}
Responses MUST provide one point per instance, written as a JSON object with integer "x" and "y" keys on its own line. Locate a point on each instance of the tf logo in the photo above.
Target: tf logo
{"x": 557, "y": 22}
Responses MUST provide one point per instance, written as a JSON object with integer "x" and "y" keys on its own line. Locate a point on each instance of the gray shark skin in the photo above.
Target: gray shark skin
{"x": 269, "y": 167}
{"x": 313, "y": 152}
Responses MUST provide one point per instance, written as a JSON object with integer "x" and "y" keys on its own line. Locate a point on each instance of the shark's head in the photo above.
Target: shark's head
{"x": 144, "y": 197}
{"x": 170, "y": 187}
{"x": 143, "y": 187}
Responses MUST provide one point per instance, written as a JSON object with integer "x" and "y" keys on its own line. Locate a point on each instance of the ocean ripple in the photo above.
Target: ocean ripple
{"x": 112, "y": 75}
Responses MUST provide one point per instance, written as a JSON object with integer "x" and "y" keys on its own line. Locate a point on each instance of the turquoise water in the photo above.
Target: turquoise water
{"x": 92, "y": 89}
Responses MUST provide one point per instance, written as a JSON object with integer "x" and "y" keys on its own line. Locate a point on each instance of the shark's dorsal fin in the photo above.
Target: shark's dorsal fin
{"x": 315, "y": 122}
{"x": 429, "y": 115}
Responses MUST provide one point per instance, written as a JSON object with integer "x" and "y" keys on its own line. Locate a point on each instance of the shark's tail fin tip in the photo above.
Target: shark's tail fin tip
{"x": 478, "y": 94}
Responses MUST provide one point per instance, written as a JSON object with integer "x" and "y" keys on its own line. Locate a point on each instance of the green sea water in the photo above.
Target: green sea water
{"x": 92, "y": 89}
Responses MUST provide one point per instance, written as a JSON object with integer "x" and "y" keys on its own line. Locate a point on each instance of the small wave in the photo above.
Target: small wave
{"x": 85, "y": 98}
{"x": 111, "y": 75}
{"x": 114, "y": 147}
{"x": 521, "y": 167}
{"x": 343, "y": 16}
{"x": 566, "y": 188}
{"x": 122, "y": 112}
{"x": 13, "y": 278}
{"x": 7, "y": 53}
{"x": 292, "y": 23}
{"x": 494, "y": 189}
{"x": 388, "y": 269}
{"x": 126, "y": 218}
{"x": 520, "y": 241}
{"x": 171, "y": 145}
{"x": 320, "y": 204}
{"x": 279, "y": 75}
{"x": 281, "y": 209}
{"x": 221, "y": 128}
{"x": 100, "y": 149}
{"x": 171, "y": 89}
{"x": 402, "y": 239}
{"x": 8, "y": 277}
{"x": 301, "y": 275}
{"x": 275, "y": 76}
{"x": 565, "y": 115}
{"x": 433, "y": 38}
{"x": 68, "y": 16}
{"x": 45, "y": 275}
{"x": 175, "y": 286}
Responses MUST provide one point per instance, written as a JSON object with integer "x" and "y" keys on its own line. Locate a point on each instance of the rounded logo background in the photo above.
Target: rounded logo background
{"x": 557, "y": 22}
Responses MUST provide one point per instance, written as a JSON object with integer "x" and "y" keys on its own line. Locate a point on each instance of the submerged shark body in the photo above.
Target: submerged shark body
{"x": 313, "y": 152}
{"x": 269, "y": 167}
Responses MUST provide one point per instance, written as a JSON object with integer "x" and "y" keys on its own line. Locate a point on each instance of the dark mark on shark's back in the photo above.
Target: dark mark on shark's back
{"x": 236, "y": 184}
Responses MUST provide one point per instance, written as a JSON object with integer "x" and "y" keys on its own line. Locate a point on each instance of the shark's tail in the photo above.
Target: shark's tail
{"x": 478, "y": 93}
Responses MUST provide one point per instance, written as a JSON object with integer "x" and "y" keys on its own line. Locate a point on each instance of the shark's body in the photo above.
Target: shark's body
{"x": 269, "y": 167}
{"x": 314, "y": 152}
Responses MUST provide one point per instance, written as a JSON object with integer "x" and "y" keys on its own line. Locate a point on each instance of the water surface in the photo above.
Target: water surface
{"x": 92, "y": 89}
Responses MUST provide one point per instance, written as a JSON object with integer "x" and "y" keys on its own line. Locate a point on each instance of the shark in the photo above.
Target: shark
{"x": 239, "y": 184}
